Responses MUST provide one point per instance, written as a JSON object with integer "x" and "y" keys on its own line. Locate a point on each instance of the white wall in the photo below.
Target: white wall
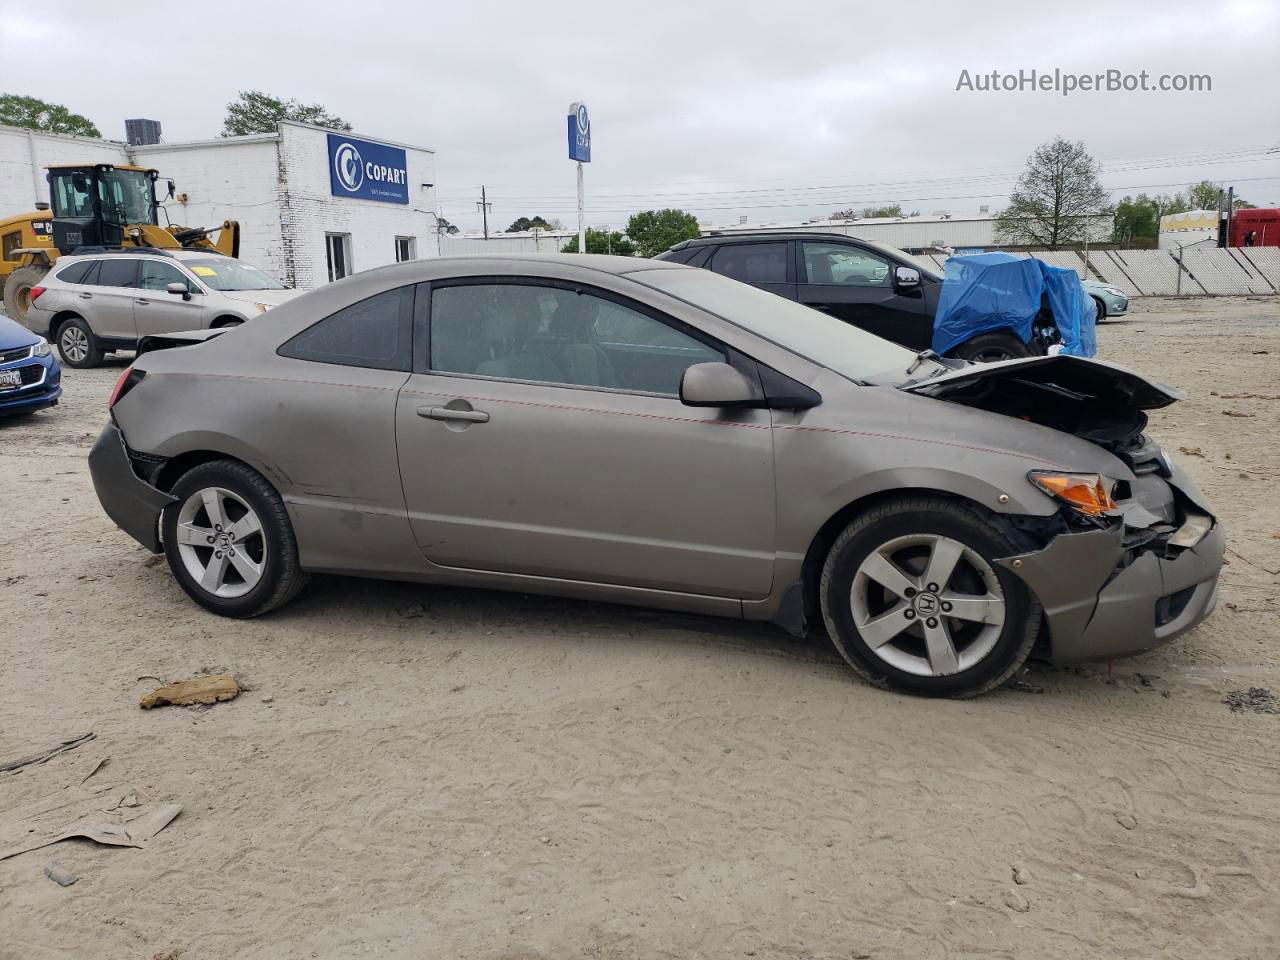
{"x": 19, "y": 190}
{"x": 452, "y": 245}
{"x": 226, "y": 180}
{"x": 309, "y": 210}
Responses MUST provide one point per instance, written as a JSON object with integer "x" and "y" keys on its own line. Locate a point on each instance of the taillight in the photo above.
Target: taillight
{"x": 35, "y": 293}
{"x": 128, "y": 380}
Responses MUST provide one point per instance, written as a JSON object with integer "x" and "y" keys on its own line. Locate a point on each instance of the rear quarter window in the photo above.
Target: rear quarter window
{"x": 374, "y": 333}
{"x": 76, "y": 272}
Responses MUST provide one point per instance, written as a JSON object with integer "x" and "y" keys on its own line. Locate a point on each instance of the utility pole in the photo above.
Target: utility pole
{"x": 1222, "y": 222}
{"x": 1231, "y": 212}
{"x": 483, "y": 205}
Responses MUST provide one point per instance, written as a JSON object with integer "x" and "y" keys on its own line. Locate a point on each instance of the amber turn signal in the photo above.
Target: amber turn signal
{"x": 1089, "y": 493}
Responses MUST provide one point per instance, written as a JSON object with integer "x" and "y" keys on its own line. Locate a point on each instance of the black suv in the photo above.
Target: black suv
{"x": 867, "y": 284}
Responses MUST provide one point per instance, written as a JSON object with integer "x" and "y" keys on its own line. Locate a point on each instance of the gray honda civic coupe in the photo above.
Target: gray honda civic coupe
{"x": 647, "y": 433}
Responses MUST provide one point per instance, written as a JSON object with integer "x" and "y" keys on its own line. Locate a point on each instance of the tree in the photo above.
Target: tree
{"x": 656, "y": 231}
{"x": 258, "y": 112}
{"x": 892, "y": 210}
{"x": 33, "y": 114}
{"x": 1055, "y": 198}
{"x": 1139, "y": 216}
{"x": 1204, "y": 196}
{"x": 533, "y": 223}
{"x": 601, "y": 241}
{"x": 444, "y": 226}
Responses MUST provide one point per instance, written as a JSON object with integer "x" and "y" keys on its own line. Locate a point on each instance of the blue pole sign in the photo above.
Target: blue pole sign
{"x": 367, "y": 171}
{"x": 579, "y": 133}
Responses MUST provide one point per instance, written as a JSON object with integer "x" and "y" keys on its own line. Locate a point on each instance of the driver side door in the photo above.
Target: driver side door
{"x": 542, "y": 434}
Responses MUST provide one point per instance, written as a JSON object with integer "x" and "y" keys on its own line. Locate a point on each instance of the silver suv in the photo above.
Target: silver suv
{"x": 94, "y": 304}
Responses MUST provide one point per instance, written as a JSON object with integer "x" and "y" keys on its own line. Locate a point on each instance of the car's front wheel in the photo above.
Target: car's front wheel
{"x": 1102, "y": 309}
{"x": 229, "y": 541}
{"x": 914, "y": 600}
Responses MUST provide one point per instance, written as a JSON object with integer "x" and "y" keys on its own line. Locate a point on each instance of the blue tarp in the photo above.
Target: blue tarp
{"x": 998, "y": 291}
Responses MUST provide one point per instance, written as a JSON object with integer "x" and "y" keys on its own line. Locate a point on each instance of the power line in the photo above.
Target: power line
{"x": 844, "y": 199}
{"x": 1203, "y": 158}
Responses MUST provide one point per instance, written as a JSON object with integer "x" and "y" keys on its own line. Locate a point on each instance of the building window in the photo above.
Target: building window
{"x": 406, "y": 249}
{"x": 337, "y": 248}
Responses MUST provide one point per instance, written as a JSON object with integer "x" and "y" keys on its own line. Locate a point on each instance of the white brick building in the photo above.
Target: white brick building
{"x": 297, "y": 223}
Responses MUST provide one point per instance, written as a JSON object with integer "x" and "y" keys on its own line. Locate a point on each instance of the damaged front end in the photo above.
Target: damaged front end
{"x": 1130, "y": 562}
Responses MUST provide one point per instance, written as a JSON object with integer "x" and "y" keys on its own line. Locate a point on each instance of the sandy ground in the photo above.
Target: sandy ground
{"x": 445, "y": 773}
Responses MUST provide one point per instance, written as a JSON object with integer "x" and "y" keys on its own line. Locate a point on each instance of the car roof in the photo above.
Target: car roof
{"x": 116, "y": 252}
{"x": 757, "y": 236}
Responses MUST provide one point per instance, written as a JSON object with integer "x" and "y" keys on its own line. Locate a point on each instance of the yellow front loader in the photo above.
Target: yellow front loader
{"x": 94, "y": 207}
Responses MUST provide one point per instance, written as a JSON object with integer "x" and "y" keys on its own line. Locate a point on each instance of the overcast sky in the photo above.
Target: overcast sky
{"x": 771, "y": 111}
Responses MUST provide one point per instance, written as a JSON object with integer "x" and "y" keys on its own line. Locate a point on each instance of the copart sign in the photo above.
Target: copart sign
{"x": 367, "y": 171}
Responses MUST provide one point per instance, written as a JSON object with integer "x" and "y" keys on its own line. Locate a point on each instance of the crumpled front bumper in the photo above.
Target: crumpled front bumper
{"x": 1099, "y": 608}
{"x": 132, "y": 503}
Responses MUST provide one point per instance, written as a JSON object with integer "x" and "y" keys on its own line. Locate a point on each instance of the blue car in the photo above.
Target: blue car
{"x": 30, "y": 377}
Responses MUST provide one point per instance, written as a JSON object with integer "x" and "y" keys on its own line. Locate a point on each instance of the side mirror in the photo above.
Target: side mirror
{"x": 170, "y": 182}
{"x": 906, "y": 278}
{"x": 715, "y": 385}
{"x": 179, "y": 290}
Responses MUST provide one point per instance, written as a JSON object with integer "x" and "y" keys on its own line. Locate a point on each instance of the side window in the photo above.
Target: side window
{"x": 372, "y": 333}
{"x": 122, "y": 272}
{"x": 158, "y": 276}
{"x": 833, "y": 263}
{"x": 554, "y": 335}
{"x": 9, "y": 243}
{"x": 76, "y": 272}
{"x": 752, "y": 262}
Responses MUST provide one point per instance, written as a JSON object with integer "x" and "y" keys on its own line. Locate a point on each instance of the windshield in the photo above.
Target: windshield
{"x": 126, "y": 197}
{"x": 816, "y": 336}
{"x": 223, "y": 273}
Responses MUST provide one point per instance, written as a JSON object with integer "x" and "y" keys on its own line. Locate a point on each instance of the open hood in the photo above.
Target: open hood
{"x": 1083, "y": 378}
{"x": 1096, "y": 401}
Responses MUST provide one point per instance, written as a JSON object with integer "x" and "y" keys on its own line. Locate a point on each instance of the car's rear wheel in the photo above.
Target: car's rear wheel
{"x": 914, "y": 600}
{"x": 991, "y": 347}
{"x": 229, "y": 541}
{"x": 1102, "y": 308}
{"x": 77, "y": 345}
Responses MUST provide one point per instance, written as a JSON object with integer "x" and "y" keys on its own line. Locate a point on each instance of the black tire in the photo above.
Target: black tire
{"x": 282, "y": 576}
{"x": 77, "y": 344}
{"x": 991, "y": 347}
{"x": 1102, "y": 309}
{"x": 226, "y": 322}
{"x": 17, "y": 291}
{"x": 934, "y": 516}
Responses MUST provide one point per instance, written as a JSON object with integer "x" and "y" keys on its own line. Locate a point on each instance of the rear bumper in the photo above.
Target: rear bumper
{"x": 132, "y": 503}
{"x": 1097, "y": 609}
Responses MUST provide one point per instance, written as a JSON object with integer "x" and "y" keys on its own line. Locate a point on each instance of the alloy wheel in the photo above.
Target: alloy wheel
{"x": 220, "y": 540}
{"x": 74, "y": 344}
{"x": 928, "y": 605}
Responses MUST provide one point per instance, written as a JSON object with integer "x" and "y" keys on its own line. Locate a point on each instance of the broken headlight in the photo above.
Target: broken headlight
{"x": 1090, "y": 494}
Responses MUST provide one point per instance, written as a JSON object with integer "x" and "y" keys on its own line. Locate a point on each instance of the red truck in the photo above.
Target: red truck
{"x": 1255, "y": 228}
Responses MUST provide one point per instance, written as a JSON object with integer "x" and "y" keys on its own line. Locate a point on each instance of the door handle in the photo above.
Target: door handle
{"x": 143, "y": 303}
{"x": 449, "y": 413}
{"x": 86, "y": 296}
